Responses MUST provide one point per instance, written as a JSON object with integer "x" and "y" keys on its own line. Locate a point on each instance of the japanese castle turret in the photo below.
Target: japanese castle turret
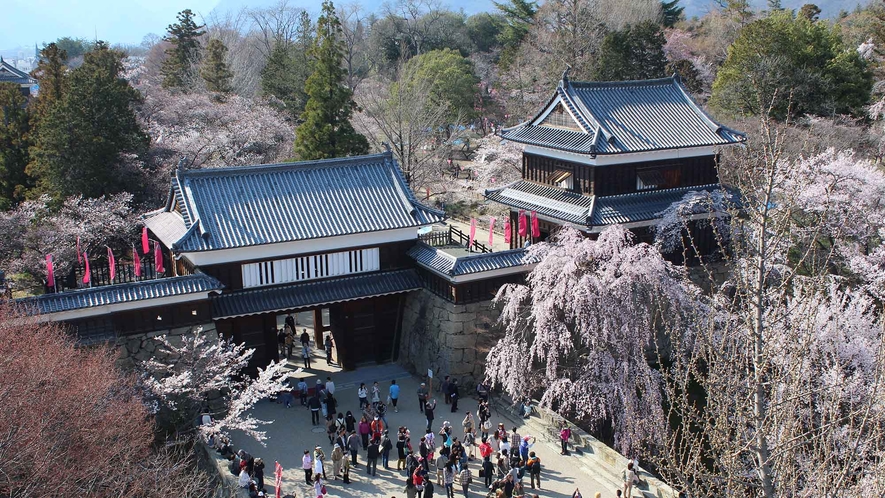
{"x": 601, "y": 153}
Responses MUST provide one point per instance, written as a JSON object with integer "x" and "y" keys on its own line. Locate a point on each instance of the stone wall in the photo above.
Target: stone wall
{"x": 450, "y": 339}
{"x": 140, "y": 347}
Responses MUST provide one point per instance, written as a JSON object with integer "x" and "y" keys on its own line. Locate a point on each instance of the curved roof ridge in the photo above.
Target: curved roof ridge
{"x": 663, "y": 190}
{"x": 655, "y": 81}
{"x": 258, "y": 168}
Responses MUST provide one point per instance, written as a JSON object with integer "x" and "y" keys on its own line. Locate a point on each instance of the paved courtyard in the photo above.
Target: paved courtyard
{"x": 291, "y": 433}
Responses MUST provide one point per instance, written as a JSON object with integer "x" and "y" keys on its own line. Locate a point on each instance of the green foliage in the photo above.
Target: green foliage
{"x": 327, "y": 131}
{"x": 184, "y": 54}
{"x": 634, "y": 53}
{"x": 79, "y": 145}
{"x": 287, "y": 68}
{"x": 397, "y": 38}
{"x": 484, "y": 30}
{"x": 14, "y": 130}
{"x": 686, "y": 71}
{"x": 51, "y": 73}
{"x": 519, "y": 16}
{"x": 796, "y": 66}
{"x": 215, "y": 71}
{"x": 671, "y": 13}
{"x": 809, "y": 11}
{"x": 448, "y": 78}
{"x": 74, "y": 47}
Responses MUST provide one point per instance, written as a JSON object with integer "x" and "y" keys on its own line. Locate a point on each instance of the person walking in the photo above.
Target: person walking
{"x": 305, "y": 355}
{"x": 258, "y": 473}
{"x": 428, "y": 488}
{"x": 428, "y": 412}
{"x": 329, "y": 345}
{"x": 422, "y": 396}
{"x": 449, "y": 479}
{"x": 353, "y": 445}
{"x": 467, "y": 423}
{"x": 488, "y": 470}
{"x": 400, "y": 452}
{"x": 349, "y": 422}
{"x": 330, "y": 386}
{"x": 525, "y": 447}
{"x": 365, "y": 428}
{"x": 319, "y": 462}
{"x": 305, "y": 338}
{"x": 630, "y": 479}
{"x": 411, "y": 490}
{"x": 465, "y": 478}
{"x": 314, "y": 405}
{"x": 302, "y": 391}
{"x": 515, "y": 439}
{"x": 454, "y": 394}
{"x": 319, "y": 489}
{"x": 307, "y": 466}
{"x": 290, "y": 341}
{"x": 337, "y": 459}
{"x": 534, "y": 468}
{"x": 363, "y": 395}
{"x": 564, "y": 435}
{"x": 376, "y": 395}
{"x": 281, "y": 340}
{"x": 386, "y": 446}
{"x": 393, "y": 394}
{"x": 374, "y": 451}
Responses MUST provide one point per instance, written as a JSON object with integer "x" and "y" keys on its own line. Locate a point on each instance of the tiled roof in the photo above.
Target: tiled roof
{"x": 230, "y": 207}
{"x": 439, "y": 260}
{"x": 120, "y": 293}
{"x": 590, "y": 210}
{"x": 307, "y": 294}
{"x": 546, "y": 200}
{"x": 169, "y": 227}
{"x": 10, "y": 74}
{"x": 640, "y": 206}
{"x": 627, "y": 116}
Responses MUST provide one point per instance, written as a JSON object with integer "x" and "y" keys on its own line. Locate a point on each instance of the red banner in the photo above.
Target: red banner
{"x": 136, "y": 262}
{"x": 523, "y": 228}
{"x": 491, "y": 231}
{"x": 112, "y": 263}
{"x": 158, "y": 258}
{"x": 145, "y": 247}
{"x": 472, "y": 232}
{"x": 50, "y": 271}
{"x": 86, "y": 273}
{"x": 536, "y": 230}
{"x": 507, "y": 231}
{"x": 278, "y": 479}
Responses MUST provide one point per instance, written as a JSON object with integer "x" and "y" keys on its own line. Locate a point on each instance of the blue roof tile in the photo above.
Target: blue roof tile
{"x": 120, "y": 293}
{"x": 231, "y": 207}
{"x": 627, "y": 116}
{"x": 546, "y": 200}
{"x": 640, "y": 206}
{"x": 447, "y": 264}
{"x": 308, "y": 294}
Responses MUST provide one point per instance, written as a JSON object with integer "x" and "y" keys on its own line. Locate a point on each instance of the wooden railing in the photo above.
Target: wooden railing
{"x": 100, "y": 274}
{"x": 452, "y": 237}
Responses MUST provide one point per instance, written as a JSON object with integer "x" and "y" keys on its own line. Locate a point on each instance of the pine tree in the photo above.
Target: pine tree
{"x": 184, "y": 54}
{"x": 287, "y": 69}
{"x": 14, "y": 130}
{"x": 80, "y": 143}
{"x": 634, "y": 53}
{"x": 326, "y": 131}
{"x": 671, "y": 12}
{"x": 215, "y": 71}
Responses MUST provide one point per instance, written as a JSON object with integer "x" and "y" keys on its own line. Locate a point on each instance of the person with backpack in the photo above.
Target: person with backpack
{"x": 302, "y": 390}
{"x": 534, "y": 467}
{"x": 386, "y": 446}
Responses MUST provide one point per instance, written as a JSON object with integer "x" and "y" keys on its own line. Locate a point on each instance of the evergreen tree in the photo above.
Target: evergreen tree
{"x": 215, "y": 71}
{"x": 79, "y": 145}
{"x": 184, "y": 54}
{"x": 519, "y": 15}
{"x": 327, "y": 131}
{"x": 284, "y": 77}
{"x": 794, "y": 64}
{"x": 671, "y": 13}
{"x": 14, "y": 137}
{"x": 634, "y": 53}
{"x": 51, "y": 73}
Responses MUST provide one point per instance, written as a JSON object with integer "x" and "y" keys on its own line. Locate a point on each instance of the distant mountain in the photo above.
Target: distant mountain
{"x": 829, "y": 8}
{"x": 369, "y": 6}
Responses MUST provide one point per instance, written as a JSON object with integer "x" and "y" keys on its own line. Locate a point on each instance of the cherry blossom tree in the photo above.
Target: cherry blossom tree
{"x": 582, "y": 328}
{"x": 74, "y": 425}
{"x": 497, "y": 162}
{"x": 779, "y": 392}
{"x": 196, "y": 374}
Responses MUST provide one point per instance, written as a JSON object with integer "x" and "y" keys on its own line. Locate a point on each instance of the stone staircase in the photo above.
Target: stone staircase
{"x": 593, "y": 457}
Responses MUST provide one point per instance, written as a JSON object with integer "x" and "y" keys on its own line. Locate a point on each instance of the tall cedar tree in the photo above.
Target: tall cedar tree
{"x": 519, "y": 15}
{"x": 184, "y": 54}
{"x": 327, "y": 131}
{"x": 80, "y": 144}
{"x": 796, "y": 66}
{"x": 215, "y": 72}
{"x": 671, "y": 13}
{"x": 634, "y": 53}
{"x": 14, "y": 130}
{"x": 288, "y": 67}
{"x": 51, "y": 73}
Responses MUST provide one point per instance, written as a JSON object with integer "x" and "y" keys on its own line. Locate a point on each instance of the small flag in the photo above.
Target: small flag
{"x": 278, "y": 479}
{"x": 536, "y": 229}
{"x": 492, "y": 231}
{"x": 158, "y": 257}
{"x": 145, "y": 247}
{"x": 523, "y": 229}
{"x": 428, "y": 193}
{"x": 79, "y": 255}
{"x": 472, "y": 232}
{"x": 112, "y": 263}
{"x": 50, "y": 272}
{"x": 136, "y": 262}
{"x": 507, "y": 231}
{"x": 86, "y": 272}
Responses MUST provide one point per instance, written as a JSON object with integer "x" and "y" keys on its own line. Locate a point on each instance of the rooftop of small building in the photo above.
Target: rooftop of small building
{"x": 618, "y": 117}
{"x": 231, "y": 207}
{"x": 454, "y": 261}
{"x": 11, "y": 74}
